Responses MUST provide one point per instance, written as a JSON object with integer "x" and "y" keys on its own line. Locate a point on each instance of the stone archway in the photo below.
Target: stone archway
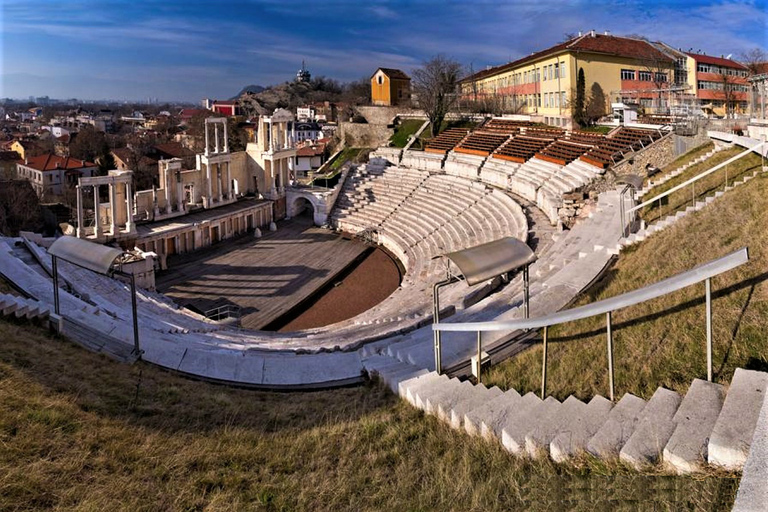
{"x": 299, "y": 201}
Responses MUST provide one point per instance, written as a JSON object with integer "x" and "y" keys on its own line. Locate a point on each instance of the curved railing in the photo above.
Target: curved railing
{"x": 703, "y": 272}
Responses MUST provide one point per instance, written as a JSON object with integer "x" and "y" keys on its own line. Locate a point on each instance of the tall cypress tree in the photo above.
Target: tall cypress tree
{"x": 578, "y": 106}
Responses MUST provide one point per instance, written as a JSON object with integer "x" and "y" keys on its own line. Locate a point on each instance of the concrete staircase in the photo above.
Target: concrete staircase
{"x": 671, "y": 219}
{"x": 706, "y": 427}
{"x": 19, "y": 307}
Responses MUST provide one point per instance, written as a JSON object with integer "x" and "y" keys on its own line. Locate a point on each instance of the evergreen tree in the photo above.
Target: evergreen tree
{"x": 578, "y": 105}
{"x": 595, "y": 108}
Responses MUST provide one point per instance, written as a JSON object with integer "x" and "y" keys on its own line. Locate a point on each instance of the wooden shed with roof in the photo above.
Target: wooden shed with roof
{"x": 390, "y": 87}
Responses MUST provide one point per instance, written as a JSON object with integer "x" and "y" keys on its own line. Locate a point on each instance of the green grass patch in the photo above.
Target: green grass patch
{"x": 80, "y": 432}
{"x": 346, "y": 155}
{"x": 663, "y": 342}
{"x": 404, "y": 131}
{"x": 605, "y": 130}
{"x": 704, "y": 187}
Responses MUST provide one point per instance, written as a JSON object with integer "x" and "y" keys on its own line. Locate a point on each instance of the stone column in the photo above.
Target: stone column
{"x": 208, "y": 179}
{"x": 179, "y": 192}
{"x": 219, "y": 192}
{"x": 80, "y": 230}
{"x": 229, "y": 183}
{"x": 112, "y": 209}
{"x": 226, "y": 140}
{"x": 129, "y": 199}
{"x": 271, "y": 137}
{"x": 216, "y": 132}
{"x": 206, "y": 139}
{"x": 96, "y": 220}
{"x": 167, "y": 189}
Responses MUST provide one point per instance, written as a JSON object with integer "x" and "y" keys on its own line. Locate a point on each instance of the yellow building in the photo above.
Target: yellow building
{"x": 543, "y": 84}
{"x": 390, "y": 87}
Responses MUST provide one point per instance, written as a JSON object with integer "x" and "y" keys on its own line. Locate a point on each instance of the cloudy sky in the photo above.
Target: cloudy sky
{"x": 187, "y": 50}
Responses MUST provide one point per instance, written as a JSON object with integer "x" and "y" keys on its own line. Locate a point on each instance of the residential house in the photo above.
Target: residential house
{"x": 390, "y": 87}
{"x": 51, "y": 174}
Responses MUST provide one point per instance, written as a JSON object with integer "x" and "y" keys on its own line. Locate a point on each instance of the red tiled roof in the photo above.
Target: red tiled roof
{"x": 599, "y": 43}
{"x": 716, "y": 61}
{"x": 50, "y": 162}
{"x": 310, "y": 151}
{"x": 393, "y": 73}
{"x": 173, "y": 149}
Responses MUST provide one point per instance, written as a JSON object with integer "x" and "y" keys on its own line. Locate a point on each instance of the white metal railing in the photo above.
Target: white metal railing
{"x": 694, "y": 179}
{"x": 703, "y": 272}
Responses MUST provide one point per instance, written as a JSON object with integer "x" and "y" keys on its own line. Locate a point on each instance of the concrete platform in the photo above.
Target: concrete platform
{"x": 686, "y": 450}
{"x": 653, "y": 430}
{"x": 615, "y": 432}
{"x": 735, "y": 426}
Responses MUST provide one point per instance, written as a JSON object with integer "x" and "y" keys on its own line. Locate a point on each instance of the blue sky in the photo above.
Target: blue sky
{"x": 187, "y": 50}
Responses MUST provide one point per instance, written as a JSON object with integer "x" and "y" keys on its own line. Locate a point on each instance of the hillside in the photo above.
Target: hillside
{"x": 662, "y": 342}
{"x": 80, "y": 432}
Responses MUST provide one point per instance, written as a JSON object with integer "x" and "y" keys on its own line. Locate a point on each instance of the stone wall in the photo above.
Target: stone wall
{"x": 658, "y": 154}
{"x": 361, "y": 135}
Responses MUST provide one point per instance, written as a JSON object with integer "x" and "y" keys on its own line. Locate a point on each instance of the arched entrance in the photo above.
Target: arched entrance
{"x": 303, "y": 207}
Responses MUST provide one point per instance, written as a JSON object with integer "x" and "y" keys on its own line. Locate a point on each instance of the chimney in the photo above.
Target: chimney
{"x": 579, "y": 33}
{"x": 592, "y": 33}
{"x": 606, "y": 33}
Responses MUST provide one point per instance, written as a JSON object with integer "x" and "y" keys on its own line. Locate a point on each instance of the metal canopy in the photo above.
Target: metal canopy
{"x": 96, "y": 257}
{"x": 492, "y": 259}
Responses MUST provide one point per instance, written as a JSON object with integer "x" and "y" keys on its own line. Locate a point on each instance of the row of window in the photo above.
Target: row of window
{"x": 719, "y": 86}
{"x": 719, "y": 70}
{"x": 544, "y": 73}
{"x": 643, "y": 76}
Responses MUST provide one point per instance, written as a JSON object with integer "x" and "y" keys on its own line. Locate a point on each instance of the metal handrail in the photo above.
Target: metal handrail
{"x": 703, "y": 272}
{"x": 695, "y": 178}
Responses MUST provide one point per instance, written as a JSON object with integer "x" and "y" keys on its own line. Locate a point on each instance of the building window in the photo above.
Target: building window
{"x": 661, "y": 78}
{"x": 645, "y": 76}
{"x": 380, "y": 79}
{"x": 627, "y": 74}
{"x": 562, "y": 98}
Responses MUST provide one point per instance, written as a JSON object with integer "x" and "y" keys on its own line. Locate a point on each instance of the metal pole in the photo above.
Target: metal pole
{"x": 136, "y": 349}
{"x": 610, "y": 353}
{"x": 708, "y": 286}
{"x": 479, "y": 355}
{"x": 55, "y": 269}
{"x": 544, "y": 366}
{"x": 527, "y": 289}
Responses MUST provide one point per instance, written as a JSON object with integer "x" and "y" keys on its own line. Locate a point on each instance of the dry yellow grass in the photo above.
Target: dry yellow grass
{"x": 662, "y": 342}
{"x": 80, "y": 432}
{"x": 706, "y": 186}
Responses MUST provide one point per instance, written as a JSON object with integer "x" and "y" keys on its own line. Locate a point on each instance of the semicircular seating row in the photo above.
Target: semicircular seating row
{"x": 418, "y": 215}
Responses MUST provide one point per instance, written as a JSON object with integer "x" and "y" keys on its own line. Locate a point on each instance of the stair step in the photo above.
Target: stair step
{"x": 732, "y": 434}
{"x": 407, "y": 388}
{"x": 537, "y": 440}
{"x": 531, "y": 409}
{"x": 483, "y": 420}
{"x": 686, "y": 450}
{"x": 418, "y": 395}
{"x": 483, "y": 395}
{"x": 577, "y": 433}
{"x": 614, "y": 433}
{"x": 653, "y": 430}
{"x": 432, "y": 400}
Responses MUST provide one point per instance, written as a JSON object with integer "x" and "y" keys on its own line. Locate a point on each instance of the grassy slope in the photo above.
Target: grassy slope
{"x": 706, "y": 186}
{"x": 684, "y": 159}
{"x": 410, "y": 126}
{"x": 76, "y": 435}
{"x": 662, "y": 342}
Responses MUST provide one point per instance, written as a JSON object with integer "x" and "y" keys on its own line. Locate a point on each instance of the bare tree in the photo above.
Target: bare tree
{"x": 754, "y": 60}
{"x": 435, "y": 86}
{"x": 728, "y": 92}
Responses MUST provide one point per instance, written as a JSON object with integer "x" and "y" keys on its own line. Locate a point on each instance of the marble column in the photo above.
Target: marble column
{"x": 129, "y": 198}
{"x": 226, "y": 139}
{"x": 167, "y": 189}
{"x": 80, "y": 230}
{"x": 229, "y": 183}
{"x": 96, "y": 220}
{"x": 112, "y": 209}
{"x": 218, "y": 182}
{"x": 207, "y": 143}
{"x": 208, "y": 180}
{"x": 179, "y": 192}
{"x": 216, "y": 132}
